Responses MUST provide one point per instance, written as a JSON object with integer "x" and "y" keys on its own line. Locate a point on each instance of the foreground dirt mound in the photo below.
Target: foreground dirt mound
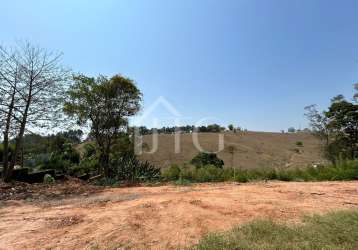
{"x": 252, "y": 150}
{"x": 62, "y": 189}
{"x": 164, "y": 217}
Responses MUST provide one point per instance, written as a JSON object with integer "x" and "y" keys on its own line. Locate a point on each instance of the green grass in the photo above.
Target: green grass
{"x": 344, "y": 171}
{"x": 337, "y": 230}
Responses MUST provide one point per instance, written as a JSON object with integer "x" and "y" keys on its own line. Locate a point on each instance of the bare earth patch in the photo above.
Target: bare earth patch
{"x": 163, "y": 217}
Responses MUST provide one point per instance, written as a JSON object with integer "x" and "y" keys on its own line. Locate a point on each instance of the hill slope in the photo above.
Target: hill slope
{"x": 252, "y": 149}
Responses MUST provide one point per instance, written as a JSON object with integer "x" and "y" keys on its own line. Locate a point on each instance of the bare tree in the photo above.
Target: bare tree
{"x": 318, "y": 122}
{"x": 9, "y": 78}
{"x": 38, "y": 94}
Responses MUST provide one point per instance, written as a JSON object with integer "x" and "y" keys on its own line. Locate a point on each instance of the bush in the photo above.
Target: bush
{"x": 129, "y": 168}
{"x": 299, "y": 144}
{"x": 87, "y": 166}
{"x": 205, "y": 159}
{"x": 171, "y": 173}
{"x": 57, "y": 162}
{"x": 63, "y": 161}
{"x": 48, "y": 179}
{"x": 209, "y": 173}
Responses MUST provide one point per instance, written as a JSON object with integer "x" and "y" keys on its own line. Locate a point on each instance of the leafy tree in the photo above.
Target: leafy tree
{"x": 104, "y": 104}
{"x": 205, "y": 159}
{"x": 231, "y": 127}
{"x": 337, "y": 127}
{"x": 291, "y": 130}
{"x": 318, "y": 122}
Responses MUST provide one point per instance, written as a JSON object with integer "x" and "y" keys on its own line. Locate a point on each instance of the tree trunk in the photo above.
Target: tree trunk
{"x": 6, "y": 134}
{"x": 19, "y": 138}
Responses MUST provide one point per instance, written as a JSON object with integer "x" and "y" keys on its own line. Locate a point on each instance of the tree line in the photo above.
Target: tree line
{"x": 211, "y": 128}
{"x": 38, "y": 93}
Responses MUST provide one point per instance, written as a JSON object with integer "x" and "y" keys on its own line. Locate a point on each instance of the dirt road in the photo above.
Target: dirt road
{"x": 161, "y": 217}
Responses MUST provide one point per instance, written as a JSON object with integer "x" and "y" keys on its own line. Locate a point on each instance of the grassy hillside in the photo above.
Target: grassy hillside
{"x": 252, "y": 149}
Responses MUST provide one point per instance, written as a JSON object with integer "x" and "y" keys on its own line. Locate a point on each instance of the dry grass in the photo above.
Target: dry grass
{"x": 337, "y": 230}
{"x": 252, "y": 150}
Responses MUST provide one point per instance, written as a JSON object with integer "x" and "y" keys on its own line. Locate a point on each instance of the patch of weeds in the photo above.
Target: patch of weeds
{"x": 337, "y": 230}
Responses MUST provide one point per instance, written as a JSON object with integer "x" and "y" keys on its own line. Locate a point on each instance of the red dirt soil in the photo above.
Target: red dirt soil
{"x": 165, "y": 217}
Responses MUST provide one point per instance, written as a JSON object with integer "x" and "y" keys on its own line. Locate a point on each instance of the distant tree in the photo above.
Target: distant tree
{"x": 291, "y": 130}
{"x": 205, "y": 159}
{"x": 231, "y": 127}
{"x": 214, "y": 128}
{"x": 72, "y": 136}
{"x": 231, "y": 149}
{"x": 337, "y": 127}
{"x": 318, "y": 123}
{"x": 105, "y": 104}
{"x": 343, "y": 122}
{"x": 355, "y": 96}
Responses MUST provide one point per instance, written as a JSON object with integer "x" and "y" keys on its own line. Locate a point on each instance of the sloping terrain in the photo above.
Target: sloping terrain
{"x": 165, "y": 217}
{"x": 251, "y": 149}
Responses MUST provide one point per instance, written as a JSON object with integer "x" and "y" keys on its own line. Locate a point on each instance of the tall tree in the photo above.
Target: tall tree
{"x": 337, "y": 127}
{"x": 318, "y": 123}
{"x": 9, "y": 101}
{"x": 104, "y": 104}
{"x": 39, "y": 92}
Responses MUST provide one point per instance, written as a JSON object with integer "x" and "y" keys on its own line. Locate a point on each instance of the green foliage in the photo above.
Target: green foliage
{"x": 209, "y": 173}
{"x": 299, "y": 144}
{"x": 105, "y": 104}
{"x": 291, "y": 130}
{"x": 337, "y": 127}
{"x": 62, "y": 161}
{"x": 171, "y": 173}
{"x": 108, "y": 182}
{"x": 129, "y": 168}
{"x": 87, "y": 165}
{"x": 11, "y": 150}
{"x": 347, "y": 170}
{"x": 337, "y": 230}
{"x": 204, "y": 159}
{"x": 48, "y": 179}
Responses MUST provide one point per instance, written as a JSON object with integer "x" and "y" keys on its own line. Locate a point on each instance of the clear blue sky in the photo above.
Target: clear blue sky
{"x": 253, "y": 63}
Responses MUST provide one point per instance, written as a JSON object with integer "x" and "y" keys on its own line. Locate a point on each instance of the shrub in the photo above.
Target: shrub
{"x": 111, "y": 182}
{"x": 57, "y": 162}
{"x": 205, "y": 159}
{"x": 48, "y": 179}
{"x": 208, "y": 173}
{"x": 299, "y": 144}
{"x": 87, "y": 166}
{"x": 129, "y": 168}
{"x": 171, "y": 173}
{"x": 62, "y": 161}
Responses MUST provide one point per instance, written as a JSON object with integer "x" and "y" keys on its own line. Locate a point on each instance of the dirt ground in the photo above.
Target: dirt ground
{"x": 164, "y": 217}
